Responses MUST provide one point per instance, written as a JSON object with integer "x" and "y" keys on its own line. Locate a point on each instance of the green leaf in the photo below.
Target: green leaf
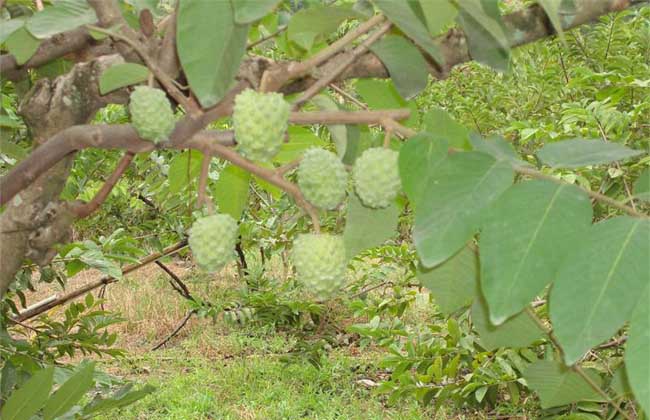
{"x": 449, "y": 213}
{"x": 553, "y": 9}
{"x": 121, "y": 75}
{"x": 96, "y": 259}
{"x": 419, "y": 158}
{"x": 518, "y": 331}
{"x": 70, "y": 392}
{"x": 339, "y": 132}
{"x": 526, "y": 236}
{"x": 29, "y": 398}
{"x": 402, "y": 15}
{"x": 300, "y": 139}
{"x": 642, "y": 186}
{"x": 248, "y": 11}
{"x": 637, "y": 351}
{"x": 438, "y": 122}
{"x": 367, "y": 228}
{"x": 231, "y": 190}
{"x": 210, "y": 47}
{"x": 454, "y": 283}
{"x": 183, "y": 168}
{"x": 497, "y": 147}
{"x": 313, "y": 23}
{"x": 121, "y": 398}
{"x": 62, "y": 16}
{"x": 405, "y": 64}
{"x": 486, "y": 37}
{"x": 599, "y": 284}
{"x": 22, "y": 45}
{"x": 576, "y": 153}
{"x": 7, "y": 121}
{"x": 558, "y": 385}
{"x": 8, "y": 27}
{"x": 439, "y": 14}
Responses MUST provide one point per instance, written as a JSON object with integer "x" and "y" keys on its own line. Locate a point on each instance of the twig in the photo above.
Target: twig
{"x": 176, "y": 282}
{"x": 278, "y": 75}
{"x": 331, "y": 76}
{"x": 162, "y": 77}
{"x": 600, "y": 197}
{"x": 576, "y": 368}
{"x": 203, "y": 199}
{"x": 282, "y": 170}
{"x": 614, "y": 343}
{"x": 267, "y": 174}
{"x": 178, "y": 328}
{"x": 266, "y": 38}
{"x": 89, "y": 208}
{"x": 347, "y": 96}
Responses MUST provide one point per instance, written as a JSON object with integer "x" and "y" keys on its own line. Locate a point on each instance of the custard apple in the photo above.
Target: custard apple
{"x": 376, "y": 177}
{"x": 322, "y": 178}
{"x": 151, "y": 114}
{"x": 320, "y": 263}
{"x": 260, "y": 121}
{"x": 212, "y": 241}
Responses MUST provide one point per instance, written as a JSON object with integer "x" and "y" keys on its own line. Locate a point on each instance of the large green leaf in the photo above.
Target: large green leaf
{"x": 558, "y": 385}
{"x": 599, "y": 284}
{"x": 313, "y": 23}
{"x": 123, "y": 397}
{"x": 518, "y": 331}
{"x": 183, "y": 168}
{"x": 248, "y": 11}
{"x": 526, "y": 235}
{"x": 637, "y": 352}
{"x": 401, "y": 14}
{"x": 7, "y": 27}
{"x": 62, "y": 16}
{"x": 22, "y": 45}
{"x": 438, "y": 122}
{"x": 576, "y": 153}
{"x": 70, "y": 392}
{"x": 405, "y": 64}
{"x": 454, "y": 283}
{"x": 418, "y": 159}
{"x": 439, "y": 14}
{"x": 24, "y": 402}
{"x": 449, "y": 212}
{"x": 231, "y": 190}
{"x": 642, "y": 186}
{"x": 367, "y": 228}
{"x": 210, "y": 47}
{"x": 382, "y": 94}
{"x": 121, "y": 75}
{"x": 486, "y": 36}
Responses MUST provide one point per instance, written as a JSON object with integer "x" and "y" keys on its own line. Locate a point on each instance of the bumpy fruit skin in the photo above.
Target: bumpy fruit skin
{"x": 151, "y": 114}
{"x": 322, "y": 178}
{"x": 376, "y": 177}
{"x": 260, "y": 121}
{"x": 212, "y": 241}
{"x": 320, "y": 263}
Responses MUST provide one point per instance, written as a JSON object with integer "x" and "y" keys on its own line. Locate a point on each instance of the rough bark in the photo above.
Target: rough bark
{"x": 35, "y": 219}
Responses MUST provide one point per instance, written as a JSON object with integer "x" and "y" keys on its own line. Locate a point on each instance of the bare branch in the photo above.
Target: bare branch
{"x": 176, "y": 330}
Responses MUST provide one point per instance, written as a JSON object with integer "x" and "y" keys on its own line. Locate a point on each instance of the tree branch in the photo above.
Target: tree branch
{"x": 86, "y": 209}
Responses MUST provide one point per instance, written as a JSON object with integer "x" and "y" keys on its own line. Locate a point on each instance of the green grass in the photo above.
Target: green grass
{"x": 241, "y": 376}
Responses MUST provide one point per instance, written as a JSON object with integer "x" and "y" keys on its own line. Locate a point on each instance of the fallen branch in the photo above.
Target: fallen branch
{"x": 25, "y": 315}
{"x": 178, "y": 328}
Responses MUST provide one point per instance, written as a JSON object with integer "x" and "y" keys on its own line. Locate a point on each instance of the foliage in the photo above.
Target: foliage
{"x": 523, "y": 180}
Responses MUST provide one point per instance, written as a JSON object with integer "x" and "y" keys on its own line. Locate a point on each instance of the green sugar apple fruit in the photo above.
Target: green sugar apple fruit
{"x": 376, "y": 177}
{"x": 212, "y": 241}
{"x": 151, "y": 114}
{"x": 320, "y": 263}
{"x": 260, "y": 121}
{"x": 322, "y": 178}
